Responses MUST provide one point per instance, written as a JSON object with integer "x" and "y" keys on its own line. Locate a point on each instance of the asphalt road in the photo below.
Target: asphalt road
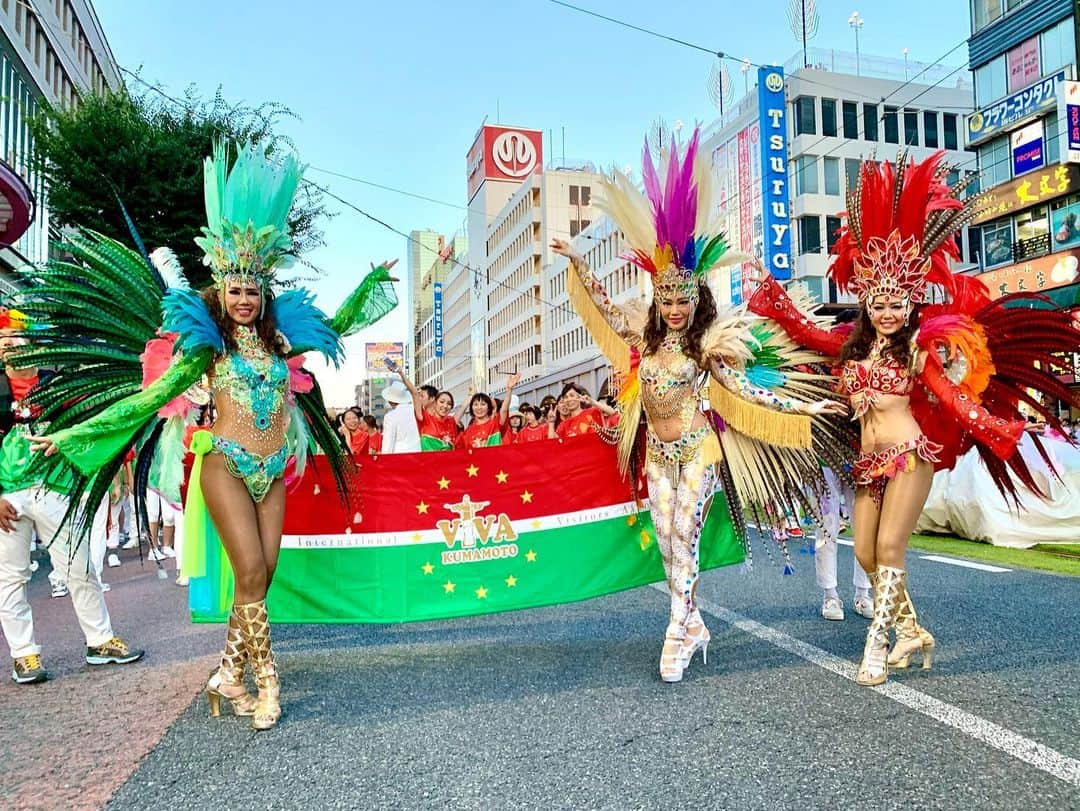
{"x": 563, "y": 708}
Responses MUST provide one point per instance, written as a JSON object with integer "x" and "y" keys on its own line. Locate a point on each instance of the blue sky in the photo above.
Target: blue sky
{"x": 393, "y": 92}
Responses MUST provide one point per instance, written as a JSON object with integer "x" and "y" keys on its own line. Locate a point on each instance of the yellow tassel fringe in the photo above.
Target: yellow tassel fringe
{"x": 782, "y": 429}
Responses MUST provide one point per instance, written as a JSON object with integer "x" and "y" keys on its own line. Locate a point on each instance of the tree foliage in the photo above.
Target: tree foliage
{"x": 148, "y": 152}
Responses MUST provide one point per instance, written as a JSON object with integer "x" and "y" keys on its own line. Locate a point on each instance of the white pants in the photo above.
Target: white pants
{"x": 104, "y": 534}
{"x": 43, "y": 510}
{"x": 825, "y": 553}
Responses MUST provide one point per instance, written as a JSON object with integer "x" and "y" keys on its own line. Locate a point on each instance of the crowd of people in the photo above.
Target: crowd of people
{"x": 422, "y": 418}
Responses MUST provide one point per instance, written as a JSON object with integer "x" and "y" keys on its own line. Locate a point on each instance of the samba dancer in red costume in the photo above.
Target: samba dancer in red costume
{"x": 925, "y": 382}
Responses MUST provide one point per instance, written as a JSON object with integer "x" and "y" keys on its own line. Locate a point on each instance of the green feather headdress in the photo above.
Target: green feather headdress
{"x": 246, "y": 236}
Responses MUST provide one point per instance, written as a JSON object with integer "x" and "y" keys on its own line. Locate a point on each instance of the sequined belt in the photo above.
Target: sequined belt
{"x": 877, "y": 468}
{"x": 678, "y": 451}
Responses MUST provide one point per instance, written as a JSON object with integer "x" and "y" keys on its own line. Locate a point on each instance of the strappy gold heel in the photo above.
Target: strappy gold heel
{"x": 874, "y": 668}
{"x": 227, "y": 682}
{"x": 911, "y": 638}
{"x": 255, "y": 625}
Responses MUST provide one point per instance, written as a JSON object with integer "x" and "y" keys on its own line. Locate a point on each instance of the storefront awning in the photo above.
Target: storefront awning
{"x": 16, "y": 206}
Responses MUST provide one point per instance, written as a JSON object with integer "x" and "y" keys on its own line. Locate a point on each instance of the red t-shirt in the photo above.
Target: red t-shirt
{"x": 20, "y": 386}
{"x": 477, "y": 434}
{"x": 375, "y": 442}
{"x": 443, "y": 429}
{"x": 583, "y": 422}
{"x": 532, "y": 433}
{"x": 358, "y": 442}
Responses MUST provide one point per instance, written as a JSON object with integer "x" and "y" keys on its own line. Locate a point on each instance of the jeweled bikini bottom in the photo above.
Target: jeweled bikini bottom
{"x": 257, "y": 472}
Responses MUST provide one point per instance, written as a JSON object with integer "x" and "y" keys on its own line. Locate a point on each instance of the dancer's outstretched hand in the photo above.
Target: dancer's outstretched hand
{"x": 562, "y": 247}
{"x": 825, "y": 407}
{"x": 389, "y": 263}
{"x": 42, "y": 444}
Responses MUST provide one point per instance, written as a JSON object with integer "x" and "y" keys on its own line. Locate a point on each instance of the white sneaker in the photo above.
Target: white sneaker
{"x": 59, "y": 590}
{"x": 113, "y": 560}
{"x": 155, "y": 554}
{"x": 832, "y": 608}
{"x": 864, "y": 606}
{"x": 181, "y": 580}
{"x": 168, "y": 552}
{"x": 130, "y": 543}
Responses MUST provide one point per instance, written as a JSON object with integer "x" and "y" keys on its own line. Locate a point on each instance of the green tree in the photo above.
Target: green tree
{"x": 148, "y": 151}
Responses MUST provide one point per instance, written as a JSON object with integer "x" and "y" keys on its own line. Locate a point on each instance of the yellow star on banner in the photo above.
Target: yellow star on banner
{"x": 502, "y": 476}
{"x": 481, "y": 593}
{"x": 448, "y": 587}
{"x": 526, "y": 497}
{"x": 631, "y": 520}
{"x": 444, "y": 483}
{"x": 421, "y": 508}
{"x": 428, "y": 568}
{"x": 646, "y": 540}
{"x": 530, "y": 556}
{"x": 417, "y": 537}
{"x": 536, "y": 523}
{"x": 472, "y": 470}
{"x": 511, "y": 581}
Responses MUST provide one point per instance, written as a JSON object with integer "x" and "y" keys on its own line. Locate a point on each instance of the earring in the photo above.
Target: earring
{"x": 659, "y": 321}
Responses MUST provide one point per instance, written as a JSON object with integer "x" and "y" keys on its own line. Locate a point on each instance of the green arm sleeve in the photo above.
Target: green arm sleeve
{"x": 90, "y": 444}
{"x": 369, "y": 302}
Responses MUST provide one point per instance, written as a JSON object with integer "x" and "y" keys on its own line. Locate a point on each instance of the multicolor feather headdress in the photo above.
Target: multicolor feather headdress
{"x": 901, "y": 229}
{"x": 671, "y": 233}
{"x": 246, "y": 237}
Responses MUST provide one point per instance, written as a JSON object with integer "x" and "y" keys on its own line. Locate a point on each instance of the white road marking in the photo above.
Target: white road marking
{"x": 845, "y": 542}
{"x": 967, "y": 564}
{"x": 1039, "y": 755}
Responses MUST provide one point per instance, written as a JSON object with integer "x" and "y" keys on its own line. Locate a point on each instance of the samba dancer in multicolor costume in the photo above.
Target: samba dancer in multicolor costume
{"x": 764, "y": 447}
{"x": 247, "y": 342}
{"x": 925, "y": 382}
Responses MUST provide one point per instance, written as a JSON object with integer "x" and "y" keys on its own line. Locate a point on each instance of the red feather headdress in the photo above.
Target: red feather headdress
{"x": 901, "y": 229}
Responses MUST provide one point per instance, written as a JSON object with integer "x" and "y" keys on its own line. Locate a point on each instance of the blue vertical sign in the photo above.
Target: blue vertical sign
{"x": 775, "y": 203}
{"x": 436, "y": 294}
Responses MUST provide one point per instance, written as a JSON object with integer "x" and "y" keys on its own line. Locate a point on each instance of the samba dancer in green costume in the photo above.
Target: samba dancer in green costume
{"x": 247, "y": 343}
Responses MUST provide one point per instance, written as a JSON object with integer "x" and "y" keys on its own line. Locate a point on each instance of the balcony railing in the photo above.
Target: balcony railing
{"x": 1031, "y": 248}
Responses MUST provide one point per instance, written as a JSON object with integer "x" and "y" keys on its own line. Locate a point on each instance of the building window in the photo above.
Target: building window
{"x": 810, "y": 234}
{"x": 997, "y": 243}
{"x": 984, "y": 12}
{"x": 994, "y": 162}
{"x": 948, "y": 125}
{"x": 832, "y": 228}
{"x": 805, "y": 121}
{"x": 828, "y": 117}
{"x": 1057, "y": 46}
{"x": 851, "y": 172}
{"x": 911, "y": 127}
{"x": 1052, "y": 136}
{"x": 806, "y": 175}
{"x": 832, "y": 176}
{"x": 574, "y": 196}
{"x": 991, "y": 81}
{"x": 1032, "y": 224}
{"x": 870, "y": 122}
{"x": 929, "y": 124}
{"x": 851, "y": 120}
{"x": 892, "y": 126}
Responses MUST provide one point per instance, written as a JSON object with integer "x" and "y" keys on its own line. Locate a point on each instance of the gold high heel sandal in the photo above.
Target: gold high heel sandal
{"x": 874, "y": 668}
{"x": 910, "y": 637}
{"x": 672, "y": 661}
{"x": 255, "y": 624}
{"x": 227, "y": 682}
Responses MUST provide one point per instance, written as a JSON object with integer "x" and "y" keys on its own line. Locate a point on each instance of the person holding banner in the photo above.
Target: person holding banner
{"x": 766, "y": 405}
{"x": 247, "y": 342}
{"x": 486, "y": 426}
{"x": 434, "y": 413}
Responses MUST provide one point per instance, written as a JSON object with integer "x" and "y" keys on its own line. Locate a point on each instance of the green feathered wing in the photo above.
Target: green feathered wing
{"x": 91, "y": 317}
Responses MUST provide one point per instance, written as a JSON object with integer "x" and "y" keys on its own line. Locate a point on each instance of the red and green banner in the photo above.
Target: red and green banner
{"x": 459, "y": 533}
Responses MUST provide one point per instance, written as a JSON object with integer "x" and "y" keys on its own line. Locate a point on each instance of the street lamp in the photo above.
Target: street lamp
{"x": 856, "y": 22}
{"x": 906, "y": 52}
{"x": 745, "y": 69}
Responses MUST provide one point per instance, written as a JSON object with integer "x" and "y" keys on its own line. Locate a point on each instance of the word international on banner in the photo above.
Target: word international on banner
{"x": 438, "y": 318}
{"x": 774, "y": 177}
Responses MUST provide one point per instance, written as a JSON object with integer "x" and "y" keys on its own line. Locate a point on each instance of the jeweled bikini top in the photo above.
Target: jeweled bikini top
{"x": 668, "y": 379}
{"x": 253, "y": 379}
{"x": 865, "y": 383}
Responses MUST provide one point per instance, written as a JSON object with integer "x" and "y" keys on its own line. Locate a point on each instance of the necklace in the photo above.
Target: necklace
{"x": 673, "y": 341}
